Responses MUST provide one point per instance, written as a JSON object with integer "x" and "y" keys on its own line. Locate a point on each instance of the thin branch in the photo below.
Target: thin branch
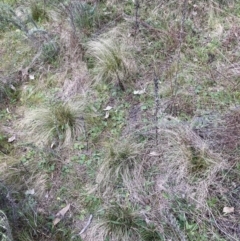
{"x": 175, "y": 81}
{"x": 120, "y": 82}
{"x": 86, "y": 133}
{"x": 137, "y": 6}
{"x": 86, "y": 226}
{"x": 157, "y": 104}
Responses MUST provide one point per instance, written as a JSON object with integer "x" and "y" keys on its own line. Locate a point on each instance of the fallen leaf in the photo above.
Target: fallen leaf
{"x": 61, "y": 214}
{"x": 194, "y": 13}
{"x": 154, "y": 153}
{"x": 108, "y": 108}
{"x": 56, "y": 221}
{"x": 8, "y": 111}
{"x": 30, "y": 192}
{"x": 11, "y": 139}
{"x": 12, "y": 87}
{"x": 228, "y": 210}
{"x": 139, "y": 92}
{"x": 31, "y": 77}
{"x": 107, "y": 115}
{"x": 63, "y": 211}
{"x": 53, "y": 145}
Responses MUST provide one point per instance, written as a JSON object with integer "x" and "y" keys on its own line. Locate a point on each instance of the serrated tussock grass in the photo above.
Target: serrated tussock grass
{"x": 57, "y": 125}
{"x": 123, "y": 222}
{"x": 113, "y": 59}
{"x": 120, "y": 160}
{"x": 117, "y": 223}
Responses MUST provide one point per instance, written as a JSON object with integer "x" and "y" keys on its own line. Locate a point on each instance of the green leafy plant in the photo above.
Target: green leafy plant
{"x": 5, "y": 146}
{"x": 38, "y": 11}
{"x": 50, "y": 51}
{"x": 83, "y": 15}
{"x": 9, "y": 18}
{"x": 59, "y": 124}
{"x": 2, "y": 91}
{"x": 123, "y": 222}
{"x": 5, "y": 230}
{"x": 149, "y": 233}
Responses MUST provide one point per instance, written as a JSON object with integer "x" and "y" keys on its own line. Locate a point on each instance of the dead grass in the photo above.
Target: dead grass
{"x": 182, "y": 105}
{"x": 182, "y": 167}
{"x": 222, "y": 133}
{"x": 183, "y": 160}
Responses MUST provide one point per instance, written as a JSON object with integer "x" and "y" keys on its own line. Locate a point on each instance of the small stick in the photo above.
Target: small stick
{"x": 157, "y": 104}
{"x": 86, "y": 133}
{"x": 137, "y": 6}
{"x": 175, "y": 81}
{"x": 86, "y": 226}
{"x": 120, "y": 82}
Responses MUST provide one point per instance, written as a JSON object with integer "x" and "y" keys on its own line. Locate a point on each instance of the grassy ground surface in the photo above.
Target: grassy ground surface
{"x": 119, "y": 120}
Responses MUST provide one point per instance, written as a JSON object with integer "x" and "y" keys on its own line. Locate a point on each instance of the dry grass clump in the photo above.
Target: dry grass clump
{"x": 181, "y": 167}
{"x": 59, "y": 124}
{"x": 120, "y": 159}
{"x": 222, "y": 132}
{"x": 113, "y": 58}
{"x": 76, "y": 82}
{"x": 188, "y": 162}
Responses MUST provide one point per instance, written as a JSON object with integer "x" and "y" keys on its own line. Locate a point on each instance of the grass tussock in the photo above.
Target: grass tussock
{"x": 113, "y": 59}
{"x": 188, "y": 161}
{"x": 60, "y": 124}
{"x": 123, "y": 222}
{"x": 120, "y": 160}
{"x": 170, "y": 179}
{"x": 50, "y": 51}
{"x": 181, "y": 166}
{"x": 119, "y": 223}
